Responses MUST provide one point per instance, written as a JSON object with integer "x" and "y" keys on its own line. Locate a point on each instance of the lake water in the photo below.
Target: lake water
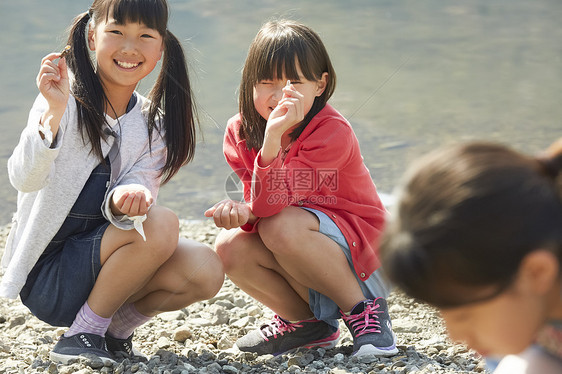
{"x": 412, "y": 75}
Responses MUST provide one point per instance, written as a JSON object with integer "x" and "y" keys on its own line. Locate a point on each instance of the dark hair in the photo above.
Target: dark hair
{"x": 274, "y": 54}
{"x": 466, "y": 217}
{"x": 170, "y": 95}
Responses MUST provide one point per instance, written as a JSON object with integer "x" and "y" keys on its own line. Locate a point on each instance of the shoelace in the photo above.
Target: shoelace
{"x": 365, "y": 322}
{"x": 128, "y": 348}
{"x": 277, "y": 327}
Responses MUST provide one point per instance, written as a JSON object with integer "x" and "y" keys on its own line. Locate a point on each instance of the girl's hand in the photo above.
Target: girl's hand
{"x": 132, "y": 200}
{"x": 53, "y": 82}
{"x": 288, "y": 112}
{"x": 230, "y": 214}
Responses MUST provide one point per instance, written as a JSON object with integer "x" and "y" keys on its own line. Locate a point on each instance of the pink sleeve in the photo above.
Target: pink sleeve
{"x": 235, "y": 160}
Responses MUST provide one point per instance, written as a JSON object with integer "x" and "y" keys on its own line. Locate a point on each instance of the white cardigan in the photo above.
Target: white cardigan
{"x": 49, "y": 181}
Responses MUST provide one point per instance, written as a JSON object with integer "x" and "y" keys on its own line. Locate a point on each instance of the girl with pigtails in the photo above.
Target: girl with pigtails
{"x": 477, "y": 232}
{"x": 88, "y": 247}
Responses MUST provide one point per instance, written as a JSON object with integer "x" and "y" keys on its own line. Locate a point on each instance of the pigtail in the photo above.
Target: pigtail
{"x": 86, "y": 89}
{"x": 172, "y": 95}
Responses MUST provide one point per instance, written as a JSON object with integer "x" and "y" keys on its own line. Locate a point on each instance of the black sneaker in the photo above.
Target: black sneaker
{"x": 280, "y": 336}
{"x": 72, "y": 347}
{"x": 123, "y": 348}
{"x": 369, "y": 324}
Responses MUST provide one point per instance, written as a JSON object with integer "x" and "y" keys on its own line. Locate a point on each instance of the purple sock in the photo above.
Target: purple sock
{"x": 89, "y": 322}
{"x": 125, "y": 321}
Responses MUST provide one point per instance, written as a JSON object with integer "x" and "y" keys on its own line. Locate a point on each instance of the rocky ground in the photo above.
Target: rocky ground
{"x": 199, "y": 339}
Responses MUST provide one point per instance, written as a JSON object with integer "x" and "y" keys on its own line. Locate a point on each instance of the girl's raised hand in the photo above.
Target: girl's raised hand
{"x": 53, "y": 82}
{"x": 132, "y": 200}
{"x": 288, "y": 112}
{"x": 230, "y": 214}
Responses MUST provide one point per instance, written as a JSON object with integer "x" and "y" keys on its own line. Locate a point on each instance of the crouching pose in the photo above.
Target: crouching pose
{"x": 303, "y": 243}
{"x": 88, "y": 248}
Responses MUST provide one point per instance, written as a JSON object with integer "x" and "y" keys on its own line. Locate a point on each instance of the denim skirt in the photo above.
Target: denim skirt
{"x": 63, "y": 277}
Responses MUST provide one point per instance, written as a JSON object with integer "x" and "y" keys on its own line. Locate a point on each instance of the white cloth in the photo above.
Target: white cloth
{"x": 45, "y": 129}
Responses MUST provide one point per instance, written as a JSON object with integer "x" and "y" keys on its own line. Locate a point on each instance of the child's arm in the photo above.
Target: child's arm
{"x": 31, "y": 163}
{"x": 288, "y": 113}
{"x": 53, "y": 83}
{"x": 137, "y": 189}
{"x": 228, "y": 213}
{"x": 328, "y": 149}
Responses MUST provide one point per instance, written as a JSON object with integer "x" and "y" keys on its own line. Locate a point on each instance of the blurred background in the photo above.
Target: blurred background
{"x": 412, "y": 76}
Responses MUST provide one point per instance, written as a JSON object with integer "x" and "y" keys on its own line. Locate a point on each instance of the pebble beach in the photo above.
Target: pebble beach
{"x": 200, "y": 338}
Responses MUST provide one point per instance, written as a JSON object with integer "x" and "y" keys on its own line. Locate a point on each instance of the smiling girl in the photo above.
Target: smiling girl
{"x": 88, "y": 247}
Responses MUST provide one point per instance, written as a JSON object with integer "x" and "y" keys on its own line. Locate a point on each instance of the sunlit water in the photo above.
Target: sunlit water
{"x": 412, "y": 75}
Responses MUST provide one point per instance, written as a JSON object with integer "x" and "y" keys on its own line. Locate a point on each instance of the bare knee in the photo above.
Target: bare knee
{"x": 203, "y": 269}
{"x": 212, "y": 277}
{"x": 277, "y": 232}
{"x": 233, "y": 247}
{"x": 161, "y": 229}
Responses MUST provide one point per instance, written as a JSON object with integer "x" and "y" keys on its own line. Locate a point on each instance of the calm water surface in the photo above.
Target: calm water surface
{"x": 412, "y": 75}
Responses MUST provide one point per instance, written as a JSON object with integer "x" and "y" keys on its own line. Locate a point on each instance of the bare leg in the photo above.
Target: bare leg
{"x": 278, "y": 265}
{"x": 193, "y": 273}
{"x": 253, "y": 268}
{"x": 310, "y": 257}
{"x": 158, "y": 273}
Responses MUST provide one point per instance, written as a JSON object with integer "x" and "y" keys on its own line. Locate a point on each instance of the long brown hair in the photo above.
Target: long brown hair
{"x": 171, "y": 96}
{"x": 274, "y": 54}
{"x": 466, "y": 217}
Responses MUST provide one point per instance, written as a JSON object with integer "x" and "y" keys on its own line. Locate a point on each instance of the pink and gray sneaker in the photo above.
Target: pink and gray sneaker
{"x": 279, "y": 336}
{"x": 370, "y": 326}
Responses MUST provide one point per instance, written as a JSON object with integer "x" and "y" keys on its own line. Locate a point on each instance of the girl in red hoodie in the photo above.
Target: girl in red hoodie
{"x": 303, "y": 242}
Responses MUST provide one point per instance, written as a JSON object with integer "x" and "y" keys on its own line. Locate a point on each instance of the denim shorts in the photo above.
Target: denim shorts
{"x": 375, "y": 286}
{"x": 63, "y": 277}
